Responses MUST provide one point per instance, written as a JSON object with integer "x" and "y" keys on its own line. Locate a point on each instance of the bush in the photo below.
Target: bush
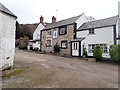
{"x": 23, "y": 47}
{"x": 84, "y": 52}
{"x": 114, "y": 52}
{"x": 56, "y": 48}
{"x": 97, "y": 53}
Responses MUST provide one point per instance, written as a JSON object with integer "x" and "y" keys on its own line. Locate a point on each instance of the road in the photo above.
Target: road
{"x": 50, "y": 71}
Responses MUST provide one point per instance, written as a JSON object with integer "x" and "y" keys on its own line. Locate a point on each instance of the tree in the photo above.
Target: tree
{"x": 24, "y": 31}
{"x": 17, "y": 30}
{"x": 114, "y": 52}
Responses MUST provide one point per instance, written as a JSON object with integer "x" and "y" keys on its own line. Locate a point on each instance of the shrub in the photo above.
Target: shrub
{"x": 84, "y": 51}
{"x": 114, "y": 52}
{"x": 97, "y": 53}
{"x": 23, "y": 47}
{"x": 56, "y": 48}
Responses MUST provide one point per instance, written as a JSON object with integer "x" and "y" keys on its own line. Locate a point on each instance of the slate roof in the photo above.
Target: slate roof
{"x": 99, "y": 23}
{"x": 5, "y": 10}
{"x": 63, "y": 22}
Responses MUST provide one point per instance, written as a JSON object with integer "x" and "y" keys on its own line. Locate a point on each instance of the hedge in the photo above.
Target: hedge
{"x": 114, "y": 52}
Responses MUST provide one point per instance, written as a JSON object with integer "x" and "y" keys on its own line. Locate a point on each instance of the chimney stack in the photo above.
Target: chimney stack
{"x": 41, "y": 19}
{"x": 53, "y": 19}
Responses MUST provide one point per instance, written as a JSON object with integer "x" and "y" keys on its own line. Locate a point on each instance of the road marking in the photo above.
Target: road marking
{"x": 45, "y": 65}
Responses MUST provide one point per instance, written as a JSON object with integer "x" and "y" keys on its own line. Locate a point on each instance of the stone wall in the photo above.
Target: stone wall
{"x": 68, "y": 37}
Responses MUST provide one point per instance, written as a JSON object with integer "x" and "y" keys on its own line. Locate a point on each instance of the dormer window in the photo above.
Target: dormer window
{"x": 91, "y": 31}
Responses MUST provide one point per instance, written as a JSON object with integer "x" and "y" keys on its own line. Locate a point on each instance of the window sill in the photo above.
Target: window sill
{"x": 62, "y": 34}
{"x": 49, "y": 46}
{"x": 92, "y": 34}
{"x": 48, "y": 36}
{"x": 63, "y": 48}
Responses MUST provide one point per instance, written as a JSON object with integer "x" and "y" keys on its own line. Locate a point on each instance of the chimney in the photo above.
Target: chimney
{"x": 53, "y": 19}
{"x": 41, "y": 19}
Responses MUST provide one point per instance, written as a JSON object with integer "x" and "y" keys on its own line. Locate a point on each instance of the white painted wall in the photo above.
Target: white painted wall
{"x": 81, "y": 20}
{"x": 7, "y": 39}
{"x": 36, "y": 35}
{"x": 101, "y": 36}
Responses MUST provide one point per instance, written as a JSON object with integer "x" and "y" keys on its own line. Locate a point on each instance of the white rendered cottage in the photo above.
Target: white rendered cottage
{"x": 102, "y": 32}
{"x": 7, "y": 37}
{"x": 36, "y": 34}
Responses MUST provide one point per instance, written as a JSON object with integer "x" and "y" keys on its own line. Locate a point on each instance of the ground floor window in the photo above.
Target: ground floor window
{"x": 64, "y": 44}
{"x": 48, "y": 43}
{"x": 102, "y": 46}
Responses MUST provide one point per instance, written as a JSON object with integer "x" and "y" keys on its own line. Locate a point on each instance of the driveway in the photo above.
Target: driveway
{"x": 50, "y": 71}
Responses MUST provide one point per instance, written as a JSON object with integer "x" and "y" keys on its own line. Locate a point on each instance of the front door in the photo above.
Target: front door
{"x": 75, "y": 48}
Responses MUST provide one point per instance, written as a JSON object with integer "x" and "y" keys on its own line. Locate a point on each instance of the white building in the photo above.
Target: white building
{"x": 102, "y": 32}
{"x": 36, "y": 34}
{"x": 7, "y": 37}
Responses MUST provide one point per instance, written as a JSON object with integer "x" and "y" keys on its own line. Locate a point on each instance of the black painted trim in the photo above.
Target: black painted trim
{"x": 79, "y": 48}
{"x": 63, "y": 42}
{"x": 114, "y": 34}
{"x": 75, "y": 28}
{"x": 57, "y": 27}
{"x": 65, "y": 26}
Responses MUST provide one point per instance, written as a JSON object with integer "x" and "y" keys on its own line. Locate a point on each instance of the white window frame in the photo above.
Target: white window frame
{"x": 103, "y": 47}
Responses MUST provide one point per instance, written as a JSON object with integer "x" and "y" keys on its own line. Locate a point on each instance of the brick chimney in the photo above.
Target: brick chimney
{"x": 41, "y": 19}
{"x": 53, "y": 19}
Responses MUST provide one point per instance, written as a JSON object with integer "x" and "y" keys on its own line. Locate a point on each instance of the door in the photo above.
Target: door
{"x": 75, "y": 48}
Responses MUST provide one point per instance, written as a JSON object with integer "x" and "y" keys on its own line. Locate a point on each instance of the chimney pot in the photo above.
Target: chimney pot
{"x": 53, "y": 19}
{"x": 41, "y": 19}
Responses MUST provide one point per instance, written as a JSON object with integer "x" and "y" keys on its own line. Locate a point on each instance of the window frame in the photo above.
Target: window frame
{"x": 65, "y": 30}
{"x": 103, "y": 47}
{"x": 64, "y": 41}
{"x": 48, "y": 45}
{"x": 91, "y": 31}
{"x": 49, "y": 33}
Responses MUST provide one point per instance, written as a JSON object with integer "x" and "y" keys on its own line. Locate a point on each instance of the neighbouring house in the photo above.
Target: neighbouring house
{"x": 62, "y": 32}
{"x": 36, "y": 34}
{"x": 103, "y": 32}
{"x": 7, "y": 37}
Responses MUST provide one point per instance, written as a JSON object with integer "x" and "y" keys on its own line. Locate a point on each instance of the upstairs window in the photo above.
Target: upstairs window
{"x": 49, "y": 32}
{"x": 63, "y": 30}
{"x": 91, "y": 31}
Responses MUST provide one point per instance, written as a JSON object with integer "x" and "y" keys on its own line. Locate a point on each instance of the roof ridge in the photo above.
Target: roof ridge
{"x": 104, "y": 19}
{"x": 71, "y": 17}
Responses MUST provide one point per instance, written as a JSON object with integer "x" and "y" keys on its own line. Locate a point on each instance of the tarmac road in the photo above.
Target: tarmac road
{"x": 50, "y": 71}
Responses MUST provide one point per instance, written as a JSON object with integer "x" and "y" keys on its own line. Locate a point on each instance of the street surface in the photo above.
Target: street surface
{"x": 50, "y": 71}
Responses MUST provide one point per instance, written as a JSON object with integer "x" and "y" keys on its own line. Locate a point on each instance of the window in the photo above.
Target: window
{"x": 48, "y": 44}
{"x": 49, "y": 32}
{"x": 103, "y": 47}
{"x": 63, "y": 30}
{"x": 64, "y": 44}
{"x": 91, "y": 31}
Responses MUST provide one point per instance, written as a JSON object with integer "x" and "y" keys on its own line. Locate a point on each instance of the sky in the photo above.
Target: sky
{"x": 29, "y": 11}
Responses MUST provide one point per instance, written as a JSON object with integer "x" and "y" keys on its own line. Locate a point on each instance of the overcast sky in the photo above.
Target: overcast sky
{"x": 29, "y": 11}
